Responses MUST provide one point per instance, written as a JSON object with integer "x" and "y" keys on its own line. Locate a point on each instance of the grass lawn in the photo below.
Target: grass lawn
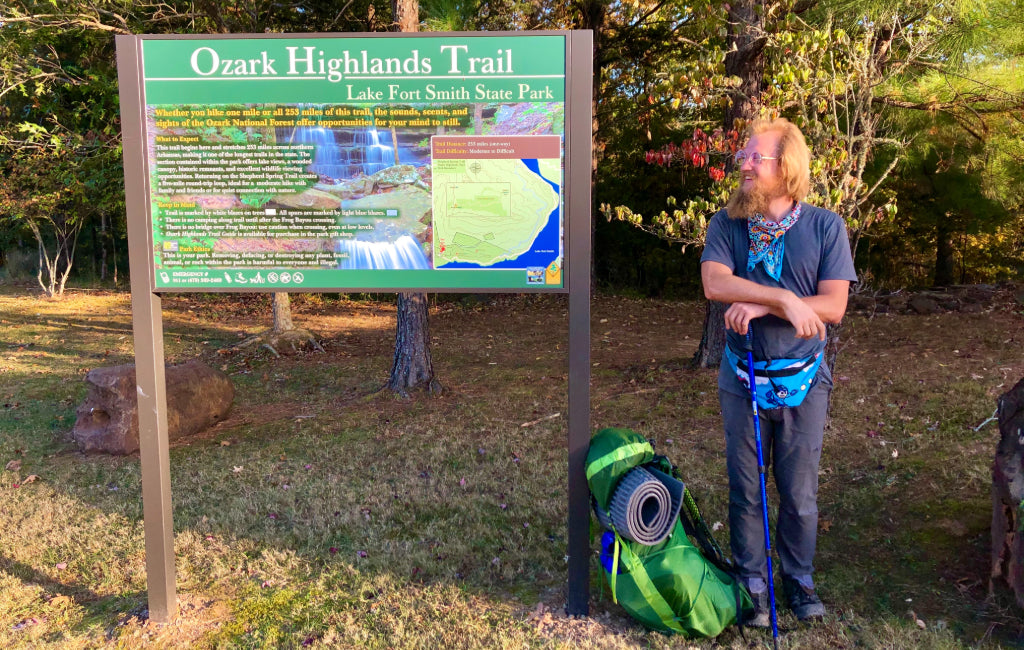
{"x": 320, "y": 514}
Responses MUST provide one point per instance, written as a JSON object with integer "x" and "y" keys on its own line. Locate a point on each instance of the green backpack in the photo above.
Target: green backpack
{"x": 671, "y": 586}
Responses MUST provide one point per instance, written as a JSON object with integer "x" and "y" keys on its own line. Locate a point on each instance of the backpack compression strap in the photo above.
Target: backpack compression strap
{"x": 617, "y": 454}
{"x": 647, "y": 589}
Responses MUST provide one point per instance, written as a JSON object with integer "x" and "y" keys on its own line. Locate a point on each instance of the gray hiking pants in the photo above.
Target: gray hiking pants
{"x": 791, "y": 440}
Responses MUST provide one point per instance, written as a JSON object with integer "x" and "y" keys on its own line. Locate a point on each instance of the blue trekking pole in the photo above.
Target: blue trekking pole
{"x": 764, "y": 490}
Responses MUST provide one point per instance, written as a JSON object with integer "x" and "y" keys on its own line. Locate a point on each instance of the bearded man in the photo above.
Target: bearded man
{"x": 785, "y": 268}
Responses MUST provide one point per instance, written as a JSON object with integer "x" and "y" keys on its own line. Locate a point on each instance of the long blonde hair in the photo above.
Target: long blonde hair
{"x": 794, "y": 157}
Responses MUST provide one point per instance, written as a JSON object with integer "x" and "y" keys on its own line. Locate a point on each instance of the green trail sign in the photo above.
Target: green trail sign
{"x": 438, "y": 162}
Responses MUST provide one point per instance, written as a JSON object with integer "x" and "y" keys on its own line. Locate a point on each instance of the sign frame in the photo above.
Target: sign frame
{"x": 148, "y": 320}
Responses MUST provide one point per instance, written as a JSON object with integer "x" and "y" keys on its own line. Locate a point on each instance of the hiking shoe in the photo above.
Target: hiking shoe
{"x": 803, "y": 601}
{"x": 762, "y": 613}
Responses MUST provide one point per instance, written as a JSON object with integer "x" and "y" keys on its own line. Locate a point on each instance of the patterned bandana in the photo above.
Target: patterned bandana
{"x": 767, "y": 243}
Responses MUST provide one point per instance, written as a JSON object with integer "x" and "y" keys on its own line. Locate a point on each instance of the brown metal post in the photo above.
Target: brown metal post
{"x": 147, "y": 323}
{"x": 578, "y": 152}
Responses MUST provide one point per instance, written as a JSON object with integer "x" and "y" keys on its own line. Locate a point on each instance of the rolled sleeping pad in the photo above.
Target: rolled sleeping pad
{"x": 675, "y": 490}
{"x": 642, "y": 507}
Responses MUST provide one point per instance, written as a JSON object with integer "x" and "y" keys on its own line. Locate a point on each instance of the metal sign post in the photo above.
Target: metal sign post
{"x": 579, "y": 144}
{"x": 223, "y": 137}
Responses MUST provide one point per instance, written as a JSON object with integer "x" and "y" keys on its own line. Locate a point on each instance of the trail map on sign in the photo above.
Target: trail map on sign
{"x": 495, "y": 201}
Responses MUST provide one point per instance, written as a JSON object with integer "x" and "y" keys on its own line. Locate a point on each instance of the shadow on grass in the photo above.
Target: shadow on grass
{"x": 97, "y": 607}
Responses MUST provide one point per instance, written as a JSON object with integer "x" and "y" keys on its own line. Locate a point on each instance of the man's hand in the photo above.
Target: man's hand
{"x": 803, "y": 317}
{"x": 739, "y": 315}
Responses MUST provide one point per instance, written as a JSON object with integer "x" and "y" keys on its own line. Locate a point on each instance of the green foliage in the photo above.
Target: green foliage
{"x": 868, "y": 83}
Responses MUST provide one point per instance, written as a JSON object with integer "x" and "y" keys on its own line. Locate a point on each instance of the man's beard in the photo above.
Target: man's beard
{"x": 744, "y": 204}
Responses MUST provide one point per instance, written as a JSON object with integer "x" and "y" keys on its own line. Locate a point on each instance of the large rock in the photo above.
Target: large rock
{"x": 924, "y": 305}
{"x": 198, "y": 396}
{"x": 1008, "y": 494}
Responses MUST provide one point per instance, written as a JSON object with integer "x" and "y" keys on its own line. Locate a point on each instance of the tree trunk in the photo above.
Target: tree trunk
{"x": 712, "y": 340}
{"x": 412, "y": 367}
{"x": 406, "y": 15}
{"x": 745, "y": 59}
{"x": 103, "y": 246}
{"x": 1007, "y": 496}
{"x": 282, "y": 312}
{"x": 945, "y": 266}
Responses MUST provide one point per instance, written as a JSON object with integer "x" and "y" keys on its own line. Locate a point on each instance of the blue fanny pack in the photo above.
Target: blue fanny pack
{"x": 779, "y": 383}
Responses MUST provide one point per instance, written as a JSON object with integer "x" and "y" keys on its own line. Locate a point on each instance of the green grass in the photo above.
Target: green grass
{"x": 318, "y": 516}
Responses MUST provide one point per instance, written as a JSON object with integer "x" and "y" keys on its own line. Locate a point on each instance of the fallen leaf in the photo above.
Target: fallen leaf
{"x": 826, "y": 525}
{"x": 25, "y": 623}
{"x": 13, "y": 466}
{"x": 31, "y": 478}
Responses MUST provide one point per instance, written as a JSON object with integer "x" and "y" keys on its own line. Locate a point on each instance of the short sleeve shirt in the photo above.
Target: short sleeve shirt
{"x": 816, "y": 249}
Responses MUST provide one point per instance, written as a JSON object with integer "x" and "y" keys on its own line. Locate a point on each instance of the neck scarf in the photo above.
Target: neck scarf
{"x": 767, "y": 243}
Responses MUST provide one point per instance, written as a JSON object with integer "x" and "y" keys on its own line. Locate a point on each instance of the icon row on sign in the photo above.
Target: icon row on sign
{"x": 285, "y": 277}
{"x": 273, "y": 278}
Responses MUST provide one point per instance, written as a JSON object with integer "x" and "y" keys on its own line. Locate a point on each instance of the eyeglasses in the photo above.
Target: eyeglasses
{"x": 755, "y": 158}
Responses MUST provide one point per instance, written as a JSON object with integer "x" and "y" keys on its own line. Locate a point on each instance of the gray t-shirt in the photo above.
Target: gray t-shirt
{"x": 816, "y": 249}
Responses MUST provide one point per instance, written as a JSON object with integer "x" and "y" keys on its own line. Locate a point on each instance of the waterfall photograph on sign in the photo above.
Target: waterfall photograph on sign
{"x": 253, "y": 188}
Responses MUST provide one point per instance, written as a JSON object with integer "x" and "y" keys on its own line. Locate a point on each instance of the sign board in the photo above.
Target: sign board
{"x": 440, "y": 162}
{"x": 299, "y": 163}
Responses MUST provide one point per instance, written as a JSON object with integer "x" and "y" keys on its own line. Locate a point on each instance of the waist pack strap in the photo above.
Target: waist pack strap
{"x": 780, "y": 383}
{"x": 647, "y": 588}
{"x": 763, "y": 368}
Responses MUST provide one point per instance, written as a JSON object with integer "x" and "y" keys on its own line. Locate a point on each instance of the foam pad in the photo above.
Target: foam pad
{"x": 641, "y": 508}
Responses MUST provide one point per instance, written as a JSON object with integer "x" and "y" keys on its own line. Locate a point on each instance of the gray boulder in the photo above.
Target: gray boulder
{"x": 924, "y": 305}
{"x": 198, "y": 396}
